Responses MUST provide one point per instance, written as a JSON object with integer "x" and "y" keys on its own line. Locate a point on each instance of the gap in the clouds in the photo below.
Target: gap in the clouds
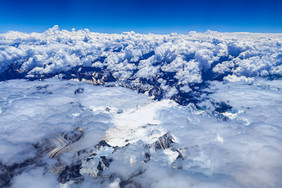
{"x": 103, "y": 76}
{"x": 209, "y": 75}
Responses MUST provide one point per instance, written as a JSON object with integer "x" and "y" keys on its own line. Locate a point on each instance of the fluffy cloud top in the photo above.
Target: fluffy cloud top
{"x": 141, "y": 60}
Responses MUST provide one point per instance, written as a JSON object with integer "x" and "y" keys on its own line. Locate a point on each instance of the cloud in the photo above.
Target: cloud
{"x": 227, "y": 134}
{"x": 35, "y": 178}
{"x": 217, "y": 148}
{"x": 137, "y": 58}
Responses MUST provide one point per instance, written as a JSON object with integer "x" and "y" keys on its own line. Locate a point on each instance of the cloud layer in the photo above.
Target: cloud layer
{"x": 233, "y": 140}
{"x": 163, "y": 65}
{"x": 216, "y": 121}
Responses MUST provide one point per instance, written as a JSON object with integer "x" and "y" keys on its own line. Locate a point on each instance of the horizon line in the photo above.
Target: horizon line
{"x": 70, "y": 29}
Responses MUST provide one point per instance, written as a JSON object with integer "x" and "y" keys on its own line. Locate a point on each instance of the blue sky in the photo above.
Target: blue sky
{"x": 143, "y": 16}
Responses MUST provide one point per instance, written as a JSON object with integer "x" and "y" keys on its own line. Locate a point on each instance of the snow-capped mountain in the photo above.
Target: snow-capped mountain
{"x": 84, "y": 109}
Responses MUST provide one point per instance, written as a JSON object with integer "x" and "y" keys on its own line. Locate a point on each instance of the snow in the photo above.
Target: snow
{"x": 215, "y": 152}
{"x": 128, "y": 125}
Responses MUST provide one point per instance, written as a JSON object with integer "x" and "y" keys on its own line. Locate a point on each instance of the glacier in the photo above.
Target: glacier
{"x": 85, "y": 109}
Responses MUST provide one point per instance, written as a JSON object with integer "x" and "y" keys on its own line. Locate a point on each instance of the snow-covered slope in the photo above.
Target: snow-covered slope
{"x": 78, "y": 109}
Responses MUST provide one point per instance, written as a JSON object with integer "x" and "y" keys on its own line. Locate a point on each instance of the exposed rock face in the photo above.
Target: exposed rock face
{"x": 5, "y": 176}
{"x": 64, "y": 142}
{"x": 164, "y": 142}
{"x": 7, "y": 172}
{"x": 71, "y": 173}
{"x": 93, "y": 162}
